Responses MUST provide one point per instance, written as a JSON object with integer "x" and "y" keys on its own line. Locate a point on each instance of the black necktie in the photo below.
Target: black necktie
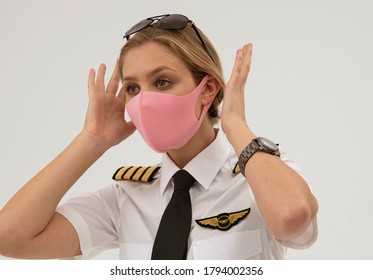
{"x": 171, "y": 241}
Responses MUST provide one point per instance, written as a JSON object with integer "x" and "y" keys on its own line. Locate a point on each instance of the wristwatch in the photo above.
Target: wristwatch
{"x": 258, "y": 144}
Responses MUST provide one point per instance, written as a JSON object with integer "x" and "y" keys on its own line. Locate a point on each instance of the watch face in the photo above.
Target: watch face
{"x": 268, "y": 144}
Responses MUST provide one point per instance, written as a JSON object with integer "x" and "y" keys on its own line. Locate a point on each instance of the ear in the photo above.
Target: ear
{"x": 212, "y": 87}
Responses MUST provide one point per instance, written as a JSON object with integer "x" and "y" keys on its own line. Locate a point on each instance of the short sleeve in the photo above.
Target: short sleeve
{"x": 94, "y": 217}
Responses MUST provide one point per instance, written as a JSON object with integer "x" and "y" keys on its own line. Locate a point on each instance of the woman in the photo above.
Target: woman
{"x": 172, "y": 86}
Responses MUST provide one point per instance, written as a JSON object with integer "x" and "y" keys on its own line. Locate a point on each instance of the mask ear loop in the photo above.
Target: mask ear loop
{"x": 207, "y": 106}
{"x": 204, "y": 112}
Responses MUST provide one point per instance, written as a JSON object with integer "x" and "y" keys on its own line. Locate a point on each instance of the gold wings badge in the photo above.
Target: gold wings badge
{"x": 224, "y": 221}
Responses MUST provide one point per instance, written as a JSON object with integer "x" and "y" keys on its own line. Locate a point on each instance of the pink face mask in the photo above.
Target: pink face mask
{"x": 166, "y": 121}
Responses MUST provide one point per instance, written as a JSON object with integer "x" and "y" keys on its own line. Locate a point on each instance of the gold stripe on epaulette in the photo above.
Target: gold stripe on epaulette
{"x": 130, "y": 172}
{"x": 136, "y": 173}
{"x": 139, "y": 173}
{"x": 149, "y": 173}
{"x": 119, "y": 173}
{"x": 236, "y": 169}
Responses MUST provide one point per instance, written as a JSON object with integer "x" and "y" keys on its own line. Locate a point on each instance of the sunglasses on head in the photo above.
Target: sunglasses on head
{"x": 169, "y": 22}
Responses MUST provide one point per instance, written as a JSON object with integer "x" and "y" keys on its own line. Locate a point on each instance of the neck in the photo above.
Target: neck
{"x": 203, "y": 137}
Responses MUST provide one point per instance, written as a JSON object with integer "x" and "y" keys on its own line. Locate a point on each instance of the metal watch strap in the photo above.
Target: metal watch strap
{"x": 246, "y": 154}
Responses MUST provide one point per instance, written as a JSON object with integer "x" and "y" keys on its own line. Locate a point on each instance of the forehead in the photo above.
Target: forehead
{"x": 149, "y": 56}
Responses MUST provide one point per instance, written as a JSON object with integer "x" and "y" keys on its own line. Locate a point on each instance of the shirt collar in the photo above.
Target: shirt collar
{"x": 204, "y": 167}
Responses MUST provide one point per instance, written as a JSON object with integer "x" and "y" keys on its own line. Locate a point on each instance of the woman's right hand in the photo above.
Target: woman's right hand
{"x": 105, "y": 122}
{"x": 29, "y": 225}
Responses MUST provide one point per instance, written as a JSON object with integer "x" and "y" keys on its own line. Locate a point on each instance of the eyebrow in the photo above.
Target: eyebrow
{"x": 151, "y": 73}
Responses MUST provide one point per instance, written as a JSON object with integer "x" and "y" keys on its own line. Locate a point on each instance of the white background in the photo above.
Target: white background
{"x": 310, "y": 89}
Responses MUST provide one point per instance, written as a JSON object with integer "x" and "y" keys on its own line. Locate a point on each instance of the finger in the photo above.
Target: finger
{"x": 112, "y": 86}
{"x": 246, "y": 61}
{"x": 122, "y": 95}
{"x": 91, "y": 81}
{"x": 241, "y": 67}
{"x": 236, "y": 68}
{"x": 100, "y": 81}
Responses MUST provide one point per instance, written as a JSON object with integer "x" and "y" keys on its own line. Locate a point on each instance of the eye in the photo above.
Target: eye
{"x": 162, "y": 83}
{"x": 133, "y": 89}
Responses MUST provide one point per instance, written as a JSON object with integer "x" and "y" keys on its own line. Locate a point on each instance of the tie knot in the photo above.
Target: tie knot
{"x": 183, "y": 180}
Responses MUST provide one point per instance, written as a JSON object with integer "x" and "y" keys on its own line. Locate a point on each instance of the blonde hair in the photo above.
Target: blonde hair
{"x": 187, "y": 46}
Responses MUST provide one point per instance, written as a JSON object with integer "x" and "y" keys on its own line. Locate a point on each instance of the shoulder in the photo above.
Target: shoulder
{"x": 136, "y": 173}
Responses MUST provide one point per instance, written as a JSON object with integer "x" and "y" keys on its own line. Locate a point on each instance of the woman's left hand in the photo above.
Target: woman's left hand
{"x": 282, "y": 196}
{"x": 233, "y": 110}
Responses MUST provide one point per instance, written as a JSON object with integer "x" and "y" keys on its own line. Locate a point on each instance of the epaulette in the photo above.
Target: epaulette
{"x": 236, "y": 169}
{"x": 136, "y": 173}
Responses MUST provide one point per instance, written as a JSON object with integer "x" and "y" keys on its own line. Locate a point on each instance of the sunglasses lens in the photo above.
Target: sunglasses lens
{"x": 139, "y": 26}
{"x": 173, "y": 22}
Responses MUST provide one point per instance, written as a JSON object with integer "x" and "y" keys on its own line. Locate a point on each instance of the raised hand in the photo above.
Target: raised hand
{"x": 105, "y": 121}
{"x": 233, "y": 110}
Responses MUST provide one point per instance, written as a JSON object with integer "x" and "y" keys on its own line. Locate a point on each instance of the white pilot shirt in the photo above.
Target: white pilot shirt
{"x": 126, "y": 214}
